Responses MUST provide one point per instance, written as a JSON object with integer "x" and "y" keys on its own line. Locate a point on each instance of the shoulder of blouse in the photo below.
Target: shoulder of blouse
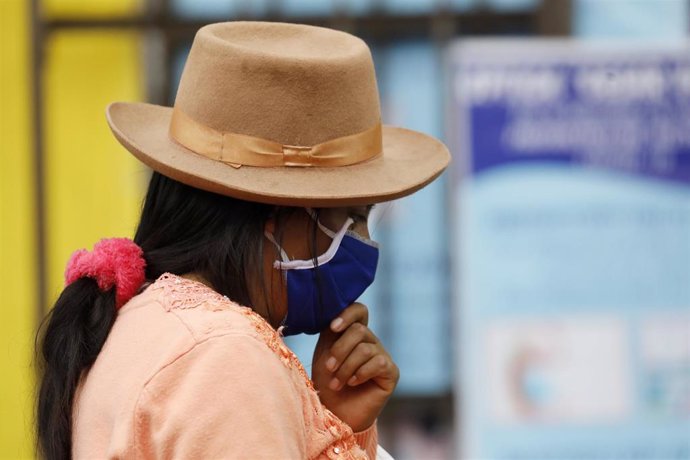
{"x": 225, "y": 397}
{"x": 208, "y": 315}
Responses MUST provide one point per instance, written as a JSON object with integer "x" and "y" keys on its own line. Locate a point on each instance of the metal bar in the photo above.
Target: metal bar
{"x": 37, "y": 52}
{"x": 379, "y": 24}
{"x": 165, "y": 16}
{"x": 554, "y": 18}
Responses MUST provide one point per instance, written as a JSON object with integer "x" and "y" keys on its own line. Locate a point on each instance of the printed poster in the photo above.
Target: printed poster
{"x": 571, "y": 212}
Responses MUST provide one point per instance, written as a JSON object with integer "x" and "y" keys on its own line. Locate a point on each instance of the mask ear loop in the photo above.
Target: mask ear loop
{"x": 287, "y": 264}
{"x": 272, "y": 239}
{"x": 323, "y": 228}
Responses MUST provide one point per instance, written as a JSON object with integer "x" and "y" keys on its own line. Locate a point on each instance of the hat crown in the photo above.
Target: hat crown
{"x": 291, "y": 83}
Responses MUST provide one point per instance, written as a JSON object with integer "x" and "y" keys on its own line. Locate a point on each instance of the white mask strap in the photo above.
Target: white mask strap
{"x": 323, "y": 228}
{"x": 283, "y": 254}
{"x": 298, "y": 264}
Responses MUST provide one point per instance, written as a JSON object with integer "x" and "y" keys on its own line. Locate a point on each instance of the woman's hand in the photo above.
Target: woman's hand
{"x": 352, "y": 371}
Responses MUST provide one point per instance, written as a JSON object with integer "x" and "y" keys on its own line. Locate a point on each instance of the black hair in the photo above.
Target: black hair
{"x": 182, "y": 230}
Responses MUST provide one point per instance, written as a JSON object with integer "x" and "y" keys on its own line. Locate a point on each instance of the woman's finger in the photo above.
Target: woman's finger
{"x": 355, "y": 313}
{"x": 343, "y": 346}
{"x": 362, "y": 353}
{"x": 379, "y": 367}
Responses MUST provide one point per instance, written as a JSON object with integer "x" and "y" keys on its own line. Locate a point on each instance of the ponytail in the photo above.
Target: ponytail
{"x": 182, "y": 230}
{"x": 69, "y": 340}
{"x": 98, "y": 282}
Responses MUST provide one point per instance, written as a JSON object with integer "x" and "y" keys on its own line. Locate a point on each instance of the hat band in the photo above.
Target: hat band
{"x": 239, "y": 149}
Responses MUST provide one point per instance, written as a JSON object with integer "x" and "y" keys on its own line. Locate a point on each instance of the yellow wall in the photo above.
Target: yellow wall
{"x": 94, "y": 186}
{"x": 17, "y": 237}
{"x": 90, "y": 8}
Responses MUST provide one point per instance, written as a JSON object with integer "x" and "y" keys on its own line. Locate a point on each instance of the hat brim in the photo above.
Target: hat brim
{"x": 410, "y": 161}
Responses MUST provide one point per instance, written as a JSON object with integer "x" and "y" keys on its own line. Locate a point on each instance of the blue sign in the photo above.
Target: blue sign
{"x": 572, "y": 213}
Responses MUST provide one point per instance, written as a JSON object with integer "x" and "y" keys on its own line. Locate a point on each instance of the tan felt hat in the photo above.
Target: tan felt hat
{"x": 280, "y": 113}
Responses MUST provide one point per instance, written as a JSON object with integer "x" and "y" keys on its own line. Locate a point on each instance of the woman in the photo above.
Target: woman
{"x": 254, "y": 226}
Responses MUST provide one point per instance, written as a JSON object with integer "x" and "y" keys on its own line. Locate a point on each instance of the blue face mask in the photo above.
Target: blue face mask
{"x": 319, "y": 290}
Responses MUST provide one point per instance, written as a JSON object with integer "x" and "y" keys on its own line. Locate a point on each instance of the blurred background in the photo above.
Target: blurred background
{"x": 536, "y": 298}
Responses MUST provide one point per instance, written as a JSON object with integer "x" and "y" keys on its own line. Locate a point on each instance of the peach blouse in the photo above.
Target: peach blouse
{"x": 186, "y": 373}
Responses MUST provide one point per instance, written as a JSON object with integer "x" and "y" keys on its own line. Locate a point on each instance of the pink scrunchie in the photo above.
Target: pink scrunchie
{"x": 115, "y": 262}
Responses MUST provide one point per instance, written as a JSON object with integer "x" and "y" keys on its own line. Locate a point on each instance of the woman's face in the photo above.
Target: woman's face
{"x": 296, "y": 236}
